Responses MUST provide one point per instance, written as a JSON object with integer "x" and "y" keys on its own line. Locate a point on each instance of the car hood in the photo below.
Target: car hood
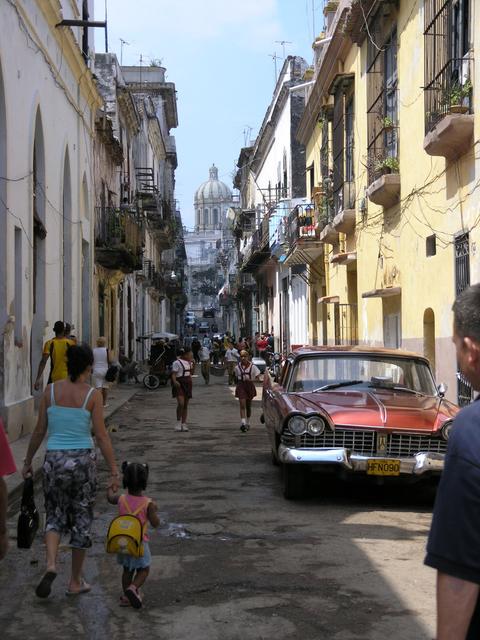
{"x": 378, "y": 409}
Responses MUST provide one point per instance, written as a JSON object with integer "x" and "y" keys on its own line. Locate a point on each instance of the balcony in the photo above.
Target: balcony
{"x": 303, "y": 235}
{"x": 329, "y": 234}
{"x": 385, "y": 190}
{"x": 118, "y": 239}
{"x": 451, "y": 137}
{"x": 344, "y": 202}
{"x": 247, "y": 281}
{"x": 258, "y": 250}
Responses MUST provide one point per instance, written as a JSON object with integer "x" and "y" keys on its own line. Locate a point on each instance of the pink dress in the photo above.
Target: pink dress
{"x": 7, "y": 463}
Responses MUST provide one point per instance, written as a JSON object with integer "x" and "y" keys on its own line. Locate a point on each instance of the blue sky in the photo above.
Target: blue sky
{"x": 217, "y": 54}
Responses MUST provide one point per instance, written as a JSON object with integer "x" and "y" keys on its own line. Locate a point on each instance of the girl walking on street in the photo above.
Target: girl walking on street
{"x": 67, "y": 411}
{"x": 182, "y": 372}
{"x": 135, "y": 570}
{"x": 245, "y": 391}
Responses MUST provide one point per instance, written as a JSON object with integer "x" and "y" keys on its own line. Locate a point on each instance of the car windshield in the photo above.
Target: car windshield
{"x": 339, "y": 371}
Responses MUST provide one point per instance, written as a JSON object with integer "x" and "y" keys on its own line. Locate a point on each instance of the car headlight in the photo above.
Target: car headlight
{"x": 297, "y": 425}
{"x": 446, "y": 429}
{"x": 315, "y": 426}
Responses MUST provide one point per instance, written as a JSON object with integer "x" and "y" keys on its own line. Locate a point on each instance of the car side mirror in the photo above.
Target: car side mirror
{"x": 442, "y": 389}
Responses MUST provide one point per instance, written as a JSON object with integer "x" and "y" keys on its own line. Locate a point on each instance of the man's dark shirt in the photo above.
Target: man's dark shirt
{"x": 454, "y": 542}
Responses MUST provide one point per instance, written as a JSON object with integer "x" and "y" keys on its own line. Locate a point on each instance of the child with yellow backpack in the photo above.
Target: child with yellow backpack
{"x": 127, "y": 535}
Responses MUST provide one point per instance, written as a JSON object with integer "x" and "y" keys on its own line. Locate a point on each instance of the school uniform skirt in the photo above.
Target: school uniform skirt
{"x": 245, "y": 390}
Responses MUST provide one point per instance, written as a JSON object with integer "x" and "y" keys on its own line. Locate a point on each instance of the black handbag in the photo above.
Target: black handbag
{"x": 28, "y": 519}
{"x": 111, "y": 374}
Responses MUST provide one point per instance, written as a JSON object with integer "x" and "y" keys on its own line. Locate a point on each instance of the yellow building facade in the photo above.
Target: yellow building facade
{"x": 391, "y": 139}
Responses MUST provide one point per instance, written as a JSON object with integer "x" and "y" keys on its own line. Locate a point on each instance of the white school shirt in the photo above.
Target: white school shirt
{"x": 249, "y": 373}
{"x": 177, "y": 367}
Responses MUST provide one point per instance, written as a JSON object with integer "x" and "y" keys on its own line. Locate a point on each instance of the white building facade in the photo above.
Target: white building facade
{"x": 48, "y": 101}
{"x": 276, "y": 172}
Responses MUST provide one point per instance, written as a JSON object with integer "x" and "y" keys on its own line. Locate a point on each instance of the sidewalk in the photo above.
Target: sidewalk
{"x": 117, "y": 397}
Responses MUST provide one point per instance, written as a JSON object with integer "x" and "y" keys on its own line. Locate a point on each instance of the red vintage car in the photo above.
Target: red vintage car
{"x": 356, "y": 410}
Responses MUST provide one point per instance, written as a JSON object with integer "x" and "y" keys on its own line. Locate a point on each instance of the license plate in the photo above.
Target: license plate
{"x": 383, "y": 467}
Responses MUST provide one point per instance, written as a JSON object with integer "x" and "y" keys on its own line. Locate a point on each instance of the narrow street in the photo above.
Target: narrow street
{"x": 234, "y": 560}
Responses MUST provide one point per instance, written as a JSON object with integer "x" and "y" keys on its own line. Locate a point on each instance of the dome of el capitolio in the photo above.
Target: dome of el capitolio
{"x": 213, "y": 190}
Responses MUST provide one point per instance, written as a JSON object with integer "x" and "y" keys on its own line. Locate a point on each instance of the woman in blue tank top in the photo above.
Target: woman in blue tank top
{"x": 67, "y": 411}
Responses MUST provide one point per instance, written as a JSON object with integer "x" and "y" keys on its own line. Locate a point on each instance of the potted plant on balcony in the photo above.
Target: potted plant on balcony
{"x": 456, "y": 96}
{"x": 388, "y": 124}
{"x": 389, "y": 164}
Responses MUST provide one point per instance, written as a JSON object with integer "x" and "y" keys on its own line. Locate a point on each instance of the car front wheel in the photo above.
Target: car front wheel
{"x": 294, "y": 481}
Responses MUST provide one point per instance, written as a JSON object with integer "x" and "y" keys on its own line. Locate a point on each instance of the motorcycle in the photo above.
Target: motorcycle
{"x": 275, "y": 366}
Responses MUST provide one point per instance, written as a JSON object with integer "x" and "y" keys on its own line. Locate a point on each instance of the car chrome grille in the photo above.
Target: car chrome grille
{"x": 359, "y": 441}
{"x": 364, "y": 443}
{"x": 401, "y": 445}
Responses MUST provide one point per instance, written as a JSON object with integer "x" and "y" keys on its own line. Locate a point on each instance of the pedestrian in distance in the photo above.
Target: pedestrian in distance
{"x": 196, "y": 346}
{"x": 68, "y": 333}
{"x": 101, "y": 362}
{"x": 67, "y": 411}
{"x": 182, "y": 372}
{"x": 453, "y": 547}
{"x": 135, "y": 570}
{"x": 245, "y": 391}
{"x": 204, "y": 355}
{"x": 262, "y": 344}
{"x": 7, "y": 467}
{"x": 55, "y": 350}
{"x": 232, "y": 356}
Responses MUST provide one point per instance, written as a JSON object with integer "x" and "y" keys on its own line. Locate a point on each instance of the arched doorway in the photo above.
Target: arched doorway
{"x": 429, "y": 336}
{"x": 39, "y": 226}
{"x": 67, "y": 241}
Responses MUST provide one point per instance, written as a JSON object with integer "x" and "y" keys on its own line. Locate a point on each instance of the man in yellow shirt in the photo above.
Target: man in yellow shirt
{"x": 56, "y": 350}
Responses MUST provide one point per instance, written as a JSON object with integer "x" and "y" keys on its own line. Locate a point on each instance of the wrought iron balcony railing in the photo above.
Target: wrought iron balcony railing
{"x": 449, "y": 91}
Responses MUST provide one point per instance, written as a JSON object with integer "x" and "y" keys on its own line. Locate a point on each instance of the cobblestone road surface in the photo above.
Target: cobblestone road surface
{"x": 233, "y": 560}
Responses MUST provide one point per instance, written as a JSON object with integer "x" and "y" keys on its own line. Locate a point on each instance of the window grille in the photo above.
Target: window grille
{"x": 382, "y": 98}
{"x": 447, "y": 60}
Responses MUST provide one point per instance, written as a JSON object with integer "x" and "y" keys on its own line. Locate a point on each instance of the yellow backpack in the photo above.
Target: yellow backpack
{"x": 125, "y": 533}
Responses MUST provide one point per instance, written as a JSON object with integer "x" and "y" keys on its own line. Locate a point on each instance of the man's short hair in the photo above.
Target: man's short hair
{"x": 59, "y": 327}
{"x": 466, "y": 313}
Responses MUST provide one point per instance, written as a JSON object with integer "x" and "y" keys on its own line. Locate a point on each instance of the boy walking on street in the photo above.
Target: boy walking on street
{"x": 55, "y": 350}
{"x": 204, "y": 355}
{"x": 231, "y": 358}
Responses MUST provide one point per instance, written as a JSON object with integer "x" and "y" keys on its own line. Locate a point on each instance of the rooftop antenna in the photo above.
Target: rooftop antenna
{"x": 313, "y": 19}
{"x": 275, "y": 58}
{"x": 122, "y": 43}
{"x": 246, "y": 134}
{"x": 283, "y": 43}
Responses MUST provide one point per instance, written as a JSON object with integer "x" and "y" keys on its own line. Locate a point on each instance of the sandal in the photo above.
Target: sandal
{"x": 124, "y": 601}
{"x": 45, "y": 585}
{"x": 134, "y": 596}
{"x": 85, "y": 588}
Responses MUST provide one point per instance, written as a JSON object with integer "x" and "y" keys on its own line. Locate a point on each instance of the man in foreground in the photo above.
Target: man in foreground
{"x": 454, "y": 543}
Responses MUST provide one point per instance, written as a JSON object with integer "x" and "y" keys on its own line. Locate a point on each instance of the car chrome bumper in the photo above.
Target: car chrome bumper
{"x": 416, "y": 465}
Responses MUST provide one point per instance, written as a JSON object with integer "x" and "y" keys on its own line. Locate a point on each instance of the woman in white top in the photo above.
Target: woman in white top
{"x": 101, "y": 362}
{"x": 182, "y": 372}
